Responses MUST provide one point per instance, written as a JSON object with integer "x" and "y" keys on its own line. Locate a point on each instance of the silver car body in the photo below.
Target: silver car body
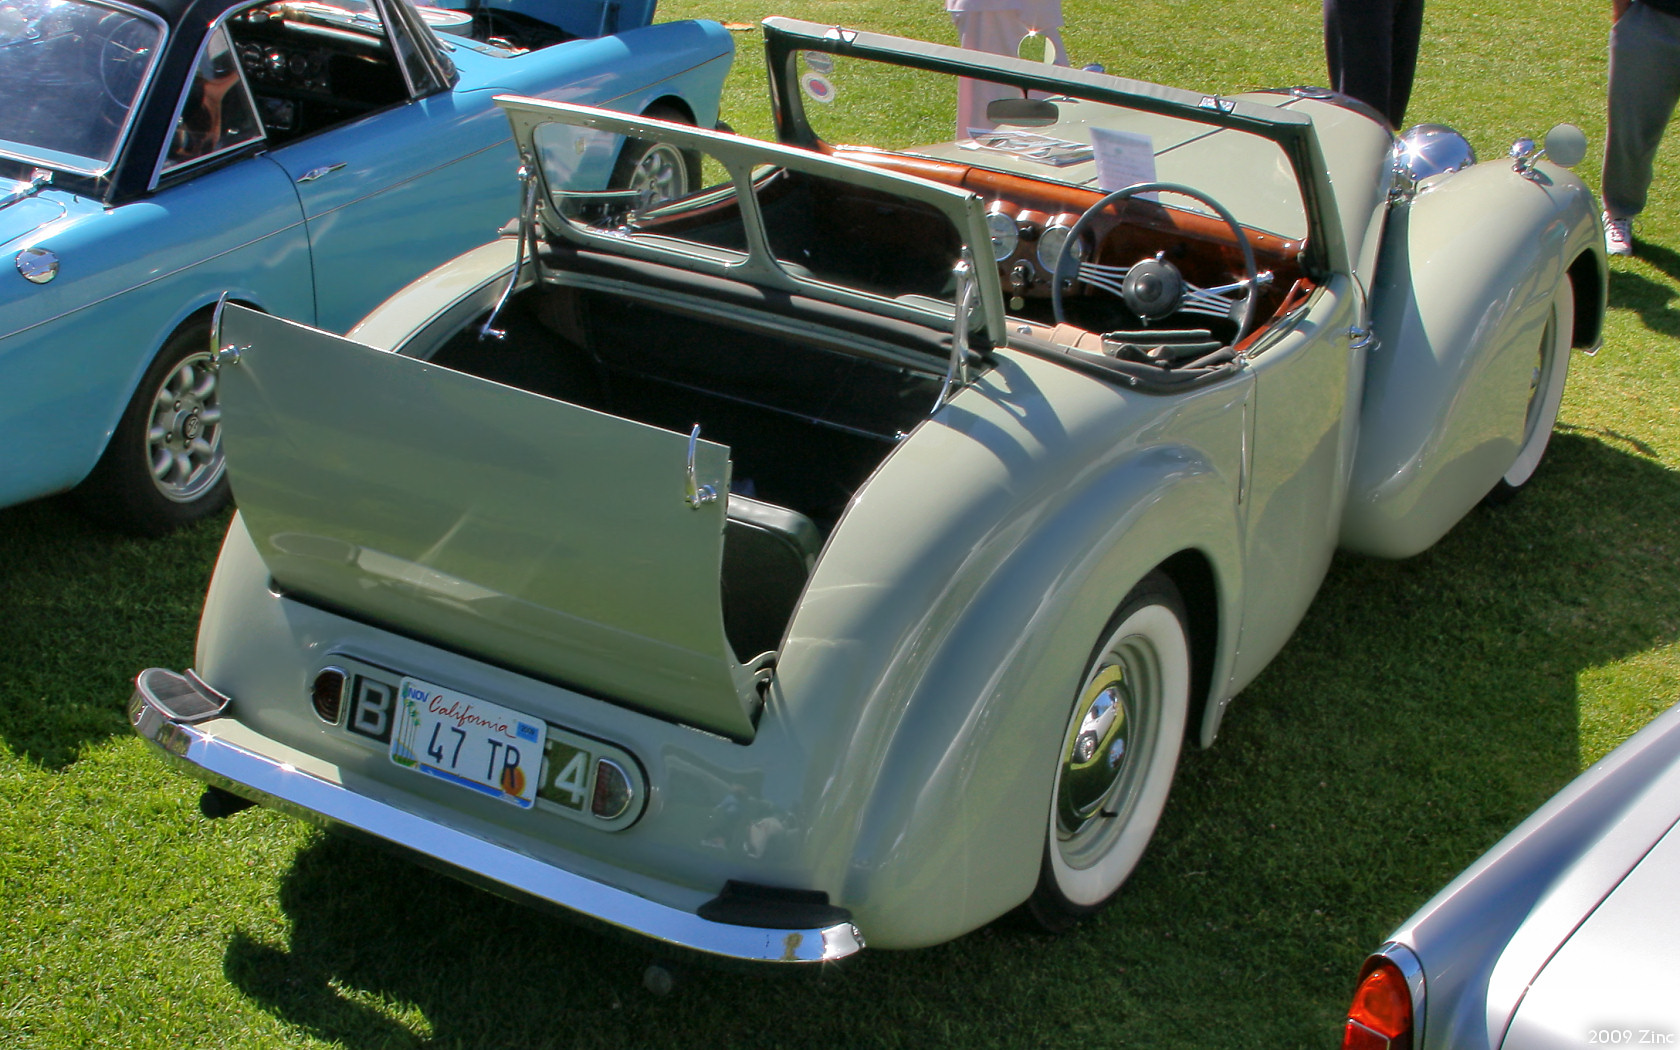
{"x": 885, "y": 763}
{"x": 1567, "y": 932}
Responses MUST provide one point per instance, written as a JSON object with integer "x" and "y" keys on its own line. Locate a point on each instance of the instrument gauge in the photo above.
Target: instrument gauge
{"x": 1050, "y": 247}
{"x": 1006, "y": 234}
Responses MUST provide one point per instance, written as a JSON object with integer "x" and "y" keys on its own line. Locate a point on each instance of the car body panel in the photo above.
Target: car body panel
{"x": 325, "y": 214}
{"x": 828, "y": 745}
{"x": 1303, "y": 439}
{"x": 904, "y": 762}
{"x": 70, "y": 356}
{"x": 1618, "y": 968}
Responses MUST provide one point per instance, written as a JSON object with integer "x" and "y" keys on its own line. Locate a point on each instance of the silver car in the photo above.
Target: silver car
{"x": 1566, "y": 934}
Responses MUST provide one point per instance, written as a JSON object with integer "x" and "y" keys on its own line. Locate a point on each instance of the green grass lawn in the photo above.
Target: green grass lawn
{"x": 1422, "y": 709}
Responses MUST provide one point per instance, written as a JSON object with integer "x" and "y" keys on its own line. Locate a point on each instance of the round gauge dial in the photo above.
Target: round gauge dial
{"x": 1050, "y": 247}
{"x": 1006, "y": 234}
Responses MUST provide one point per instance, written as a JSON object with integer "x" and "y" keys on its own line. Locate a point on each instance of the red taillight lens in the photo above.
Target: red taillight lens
{"x": 1381, "y": 1015}
{"x": 613, "y": 793}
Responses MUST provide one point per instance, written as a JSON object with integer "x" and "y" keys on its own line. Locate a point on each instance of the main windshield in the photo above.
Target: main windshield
{"x": 71, "y": 72}
{"x": 1052, "y": 139}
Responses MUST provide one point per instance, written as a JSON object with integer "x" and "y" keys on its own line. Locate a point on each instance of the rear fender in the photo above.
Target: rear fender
{"x": 940, "y": 733}
{"x": 955, "y": 831}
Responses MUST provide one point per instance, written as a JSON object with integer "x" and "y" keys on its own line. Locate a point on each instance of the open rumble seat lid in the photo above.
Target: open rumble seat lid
{"x": 534, "y": 534}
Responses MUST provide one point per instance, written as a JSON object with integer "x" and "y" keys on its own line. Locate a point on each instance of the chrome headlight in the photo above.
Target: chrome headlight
{"x": 1426, "y": 150}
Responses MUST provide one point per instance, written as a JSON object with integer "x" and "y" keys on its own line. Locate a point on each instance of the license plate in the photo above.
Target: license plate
{"x": 468, "y": 742}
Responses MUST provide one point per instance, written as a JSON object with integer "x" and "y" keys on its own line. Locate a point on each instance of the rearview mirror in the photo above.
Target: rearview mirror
{"x": 1023, "y": 112}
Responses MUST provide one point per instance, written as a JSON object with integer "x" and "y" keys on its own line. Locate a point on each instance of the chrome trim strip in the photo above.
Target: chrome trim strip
{"x": 1411, "y": 968}
{"x": 199, "y": 752}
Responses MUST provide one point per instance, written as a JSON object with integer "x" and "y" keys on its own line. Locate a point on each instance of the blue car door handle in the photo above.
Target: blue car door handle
{"x": 324, "y": 170}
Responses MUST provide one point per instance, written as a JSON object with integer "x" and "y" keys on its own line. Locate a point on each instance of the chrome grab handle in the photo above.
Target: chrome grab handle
{"x": 527, "y": 220}
{"x": 698, "y": 495}
{"x": 319, "y": 173}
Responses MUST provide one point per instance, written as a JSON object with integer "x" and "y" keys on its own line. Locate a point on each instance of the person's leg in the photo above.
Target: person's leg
{"x": 1644, "y": 88}
{"x": 998, "y": 32}
{"x": 1403, "y": 50}
{"x": 1359, "y": 48}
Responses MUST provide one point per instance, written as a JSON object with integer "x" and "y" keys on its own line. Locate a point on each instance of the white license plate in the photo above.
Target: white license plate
{"x": 468, "y": 741}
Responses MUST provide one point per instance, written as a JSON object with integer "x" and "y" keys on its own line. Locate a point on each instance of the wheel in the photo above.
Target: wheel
{"x": 1153, "y": 288}
{"x": 656, "y": 171}
{"x": 1545, "y": 392}
{"x": 163, "y": 466}
{"x": 1117, "y": 756}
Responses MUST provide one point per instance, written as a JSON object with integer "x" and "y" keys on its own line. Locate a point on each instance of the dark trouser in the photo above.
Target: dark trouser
{"x": 1372, "y": 48}
{"x": 1644, "y": 87}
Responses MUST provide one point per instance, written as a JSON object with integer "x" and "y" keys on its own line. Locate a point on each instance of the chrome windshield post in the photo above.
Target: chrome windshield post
{"x": 956, "y": 369}
{"x": 527, "y": 225}
{"x": 38, "y": 178}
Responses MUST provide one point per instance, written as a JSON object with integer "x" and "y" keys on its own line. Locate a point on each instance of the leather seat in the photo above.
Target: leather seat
{"x": 768, "y": 551}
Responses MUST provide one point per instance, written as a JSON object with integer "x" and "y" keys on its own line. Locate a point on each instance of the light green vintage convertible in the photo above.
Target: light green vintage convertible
{"x": 847, "y": 549}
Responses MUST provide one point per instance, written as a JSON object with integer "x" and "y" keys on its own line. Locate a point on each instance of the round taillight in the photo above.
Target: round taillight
{"x": 613, "y": 792}
{"x": 1381, "y": 1015}
{"x": 327, "y": 694}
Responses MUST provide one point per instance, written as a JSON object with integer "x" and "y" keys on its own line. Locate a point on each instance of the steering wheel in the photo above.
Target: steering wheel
{"x": 1153, "y": 288}
{"x": 123, "y": 57}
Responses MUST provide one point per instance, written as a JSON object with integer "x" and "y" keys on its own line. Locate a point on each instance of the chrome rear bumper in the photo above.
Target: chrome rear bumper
{"x": 178, "y": 713}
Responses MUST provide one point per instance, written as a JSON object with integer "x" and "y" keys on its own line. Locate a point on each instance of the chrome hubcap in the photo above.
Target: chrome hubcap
{"x": 184, "y": 438}
{"x": 1104, "y": 761}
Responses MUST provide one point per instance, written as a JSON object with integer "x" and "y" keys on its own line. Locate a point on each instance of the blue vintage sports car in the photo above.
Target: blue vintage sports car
{"x": 309, "y": 157}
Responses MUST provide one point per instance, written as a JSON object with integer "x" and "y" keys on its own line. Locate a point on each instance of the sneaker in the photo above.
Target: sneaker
{"x": 1618, "y": 235}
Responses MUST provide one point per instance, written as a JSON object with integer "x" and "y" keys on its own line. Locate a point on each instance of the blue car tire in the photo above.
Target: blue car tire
{"x": 657, "y": 171}
{"x": 164, "y": 467}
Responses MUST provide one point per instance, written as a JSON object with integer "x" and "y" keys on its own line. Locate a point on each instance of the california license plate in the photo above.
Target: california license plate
{"x": 468, "y": 742}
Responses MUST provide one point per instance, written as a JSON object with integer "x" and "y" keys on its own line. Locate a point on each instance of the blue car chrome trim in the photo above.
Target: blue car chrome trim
{"x": 195, "y": 747}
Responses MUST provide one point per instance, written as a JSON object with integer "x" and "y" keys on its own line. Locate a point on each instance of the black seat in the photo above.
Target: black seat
{"x": 768, "y": 552}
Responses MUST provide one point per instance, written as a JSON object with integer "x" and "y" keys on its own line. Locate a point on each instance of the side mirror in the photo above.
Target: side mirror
{"x": 1023, "y": 112}
{"x": 1036, "y": 47}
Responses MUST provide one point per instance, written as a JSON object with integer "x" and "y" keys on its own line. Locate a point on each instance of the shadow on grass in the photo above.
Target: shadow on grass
{"x": 1652, "y": 300}
{"x": 85, "y": 609}
{"x": 1423, "y": 708}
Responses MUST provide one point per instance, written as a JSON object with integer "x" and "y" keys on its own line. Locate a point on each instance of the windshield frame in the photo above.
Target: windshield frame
{"x": 785, "y": 39}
